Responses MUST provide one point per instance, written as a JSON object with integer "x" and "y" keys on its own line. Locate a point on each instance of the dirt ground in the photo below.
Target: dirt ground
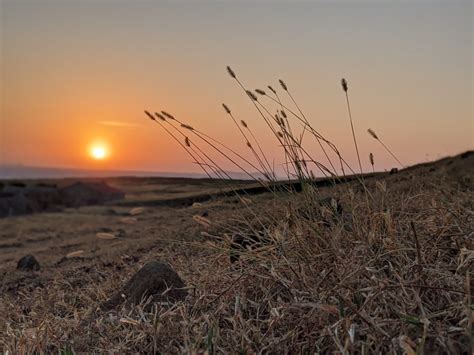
{"x": 50, "y": 237}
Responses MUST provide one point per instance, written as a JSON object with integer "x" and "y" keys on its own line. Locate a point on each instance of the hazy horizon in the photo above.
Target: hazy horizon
{"x": 42, "y": 172}
{"x": 74, "y": 73}
{"x": 21, "y": 171}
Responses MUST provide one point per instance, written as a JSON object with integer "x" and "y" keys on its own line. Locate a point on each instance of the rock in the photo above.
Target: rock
{"x": 104, "y": 230}
{"x": 205, "y": 214}
{"x": 153, "y": 280}
{"x": 393, "y": 171}
{"x": 28, "y": 263}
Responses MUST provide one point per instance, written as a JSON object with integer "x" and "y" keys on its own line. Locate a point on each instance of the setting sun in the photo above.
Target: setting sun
{"x": 98, "y": 152}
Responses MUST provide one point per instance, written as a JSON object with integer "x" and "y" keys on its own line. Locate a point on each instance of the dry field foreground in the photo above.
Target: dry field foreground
{"x": 392, "y": 273}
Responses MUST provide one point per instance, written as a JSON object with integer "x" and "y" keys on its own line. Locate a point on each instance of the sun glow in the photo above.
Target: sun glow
{"x": 98, "y": 152}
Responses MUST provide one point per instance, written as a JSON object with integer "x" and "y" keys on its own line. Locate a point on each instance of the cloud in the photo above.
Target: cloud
{"x": 118, "y": 124}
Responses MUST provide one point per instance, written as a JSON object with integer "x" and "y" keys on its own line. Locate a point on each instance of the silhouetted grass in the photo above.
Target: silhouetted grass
{"x": 314, "y": 277}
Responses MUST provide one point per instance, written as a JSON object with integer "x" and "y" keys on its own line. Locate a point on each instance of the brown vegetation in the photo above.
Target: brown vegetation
{"x": 392, "y": 277}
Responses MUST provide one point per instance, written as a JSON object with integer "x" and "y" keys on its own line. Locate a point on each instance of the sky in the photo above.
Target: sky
{"x": 76, "y": 74}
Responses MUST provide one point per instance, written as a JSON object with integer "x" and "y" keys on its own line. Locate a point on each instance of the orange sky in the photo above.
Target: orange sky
{"x": 73, "y": 73}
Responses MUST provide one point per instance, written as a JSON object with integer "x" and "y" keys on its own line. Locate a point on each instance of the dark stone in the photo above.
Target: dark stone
{"x": 28, "y": 263}
{"x": 105, "y": 230}
{"x": 393, "y": 171}
{"x": 153, "y": 280}
{"x": 205, "y": 214}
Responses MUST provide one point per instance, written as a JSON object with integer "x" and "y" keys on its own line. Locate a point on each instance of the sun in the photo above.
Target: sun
{"x": 98, "y": 152}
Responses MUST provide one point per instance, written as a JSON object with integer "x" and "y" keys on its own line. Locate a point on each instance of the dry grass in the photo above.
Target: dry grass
{"x": 363, "y": 283}
{"x": 390, "y": 274}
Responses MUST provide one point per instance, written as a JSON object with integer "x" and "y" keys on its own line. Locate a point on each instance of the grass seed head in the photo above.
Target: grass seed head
{"x": 160, "y": 116}
{"x": 371, "y": 158}
{"x": 283, "y": 113}
{"x": 261, "y": 92}
{"x": 187, "y": 127}
{"x": 187, "y": 142}
{"x": 344, "y": 84}
{"x": 283, "y": 85}
{"x": 231, "y": 72}
{"x": 243, "y": 123}
{"x": 251, "y": 95}
{"x": 150, "y": 115}
{"x": 372, "y": 133}
{"x": 271, "y": 89}
{"x": 226, "y": 108}
{"x": 169, "y": 115}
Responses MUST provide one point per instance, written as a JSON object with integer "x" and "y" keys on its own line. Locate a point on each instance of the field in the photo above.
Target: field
{"x": 392, "y": 276}
{"x": 51, "y": 236}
